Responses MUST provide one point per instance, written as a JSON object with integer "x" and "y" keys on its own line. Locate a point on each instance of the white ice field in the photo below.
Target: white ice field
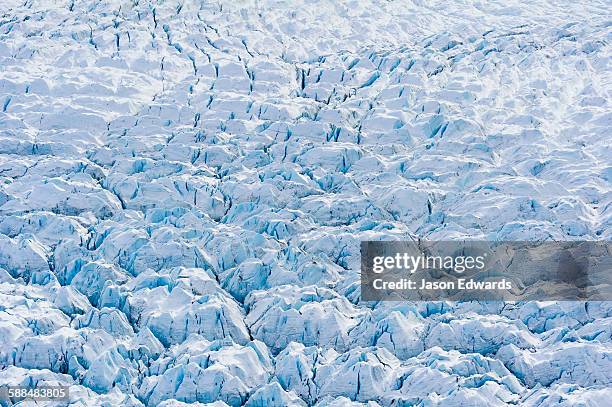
{"x": 184, "y": 186}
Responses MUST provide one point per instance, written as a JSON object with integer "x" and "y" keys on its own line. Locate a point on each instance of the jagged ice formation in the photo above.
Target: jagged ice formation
{"x": 184, "y": 186}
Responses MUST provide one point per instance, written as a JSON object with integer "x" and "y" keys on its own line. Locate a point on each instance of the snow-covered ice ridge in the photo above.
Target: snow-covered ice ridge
{"x": 184, "y": 186}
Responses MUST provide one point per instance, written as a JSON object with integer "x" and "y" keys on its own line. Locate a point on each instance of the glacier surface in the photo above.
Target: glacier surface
{"x": 184, "y": 186}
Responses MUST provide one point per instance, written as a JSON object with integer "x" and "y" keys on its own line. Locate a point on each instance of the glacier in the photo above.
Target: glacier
{"x": 184, "y": 186}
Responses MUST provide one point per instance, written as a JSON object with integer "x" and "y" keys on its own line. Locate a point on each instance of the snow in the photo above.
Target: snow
{"x": 184, "y": 187}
